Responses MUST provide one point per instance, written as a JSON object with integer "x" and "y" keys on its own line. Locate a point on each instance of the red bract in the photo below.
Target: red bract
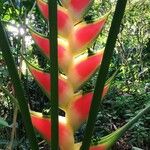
{"x": 79, "y": 72}
{"x": 64, "y": 20}
{"x": 64, "y": 55}
{"x": 77, "y": 8}
{"x": 80, "y": 39}
{"x": 74, "y": 4}
{"x": 65, "y": 90}
{"x": 79, "y": 109}
{"x": 42, "y": 42}
{"x": 43, "y": 125}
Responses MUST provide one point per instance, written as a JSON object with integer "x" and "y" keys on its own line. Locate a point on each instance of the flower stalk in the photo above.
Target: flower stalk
{"x": 52, "y": 4}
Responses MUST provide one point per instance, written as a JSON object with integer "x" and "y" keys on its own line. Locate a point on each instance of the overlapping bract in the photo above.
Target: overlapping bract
{"x": 43, "y": 126}
{"x": 78, "y": 67}
{"x": 65, "y": 89}
{"x": 78, "y": 110}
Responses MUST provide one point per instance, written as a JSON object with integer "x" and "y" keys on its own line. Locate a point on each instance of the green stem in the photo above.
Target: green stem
{"x": 111, "y": 41}
{"x": 110, "y": 140}
{"x": 6, "y": 52}
{"x": 54, "y": 72}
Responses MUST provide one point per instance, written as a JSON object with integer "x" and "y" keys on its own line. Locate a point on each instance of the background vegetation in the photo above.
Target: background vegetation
{"x": 130, "y": 90}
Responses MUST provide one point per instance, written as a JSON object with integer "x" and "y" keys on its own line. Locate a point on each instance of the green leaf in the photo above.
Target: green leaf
{"x": 3, "y": 123}
{"x": 111, "y": 139}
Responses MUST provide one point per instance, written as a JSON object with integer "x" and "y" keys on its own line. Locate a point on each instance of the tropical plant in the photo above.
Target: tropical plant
{"x": 75, "y": 68}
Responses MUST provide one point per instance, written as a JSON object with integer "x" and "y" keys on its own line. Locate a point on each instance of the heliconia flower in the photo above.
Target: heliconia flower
{"x": 77, "y": 8}
{"x": 65, "y": 90}
{"x": 64, "y": 21}
{"x": 43, "y": 126}
{"x": 78, "y": 110}
{"x": 84, "y": 34}
{"x": 81, "y": 70}
{"x": 64, "y": 55}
